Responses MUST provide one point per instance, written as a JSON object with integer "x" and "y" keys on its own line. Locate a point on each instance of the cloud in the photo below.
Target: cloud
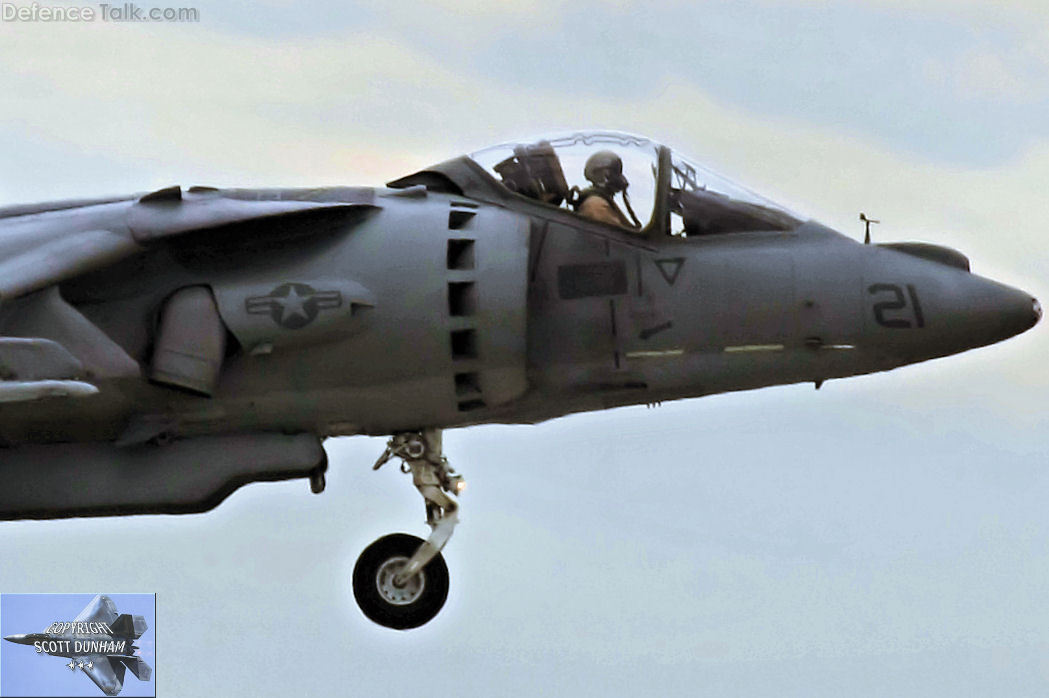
{"x": 369, "y": 107}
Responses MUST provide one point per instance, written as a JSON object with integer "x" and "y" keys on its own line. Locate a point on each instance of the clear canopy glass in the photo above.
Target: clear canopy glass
{"x": 554, "y": 170}
{"x": 702, "y": 202}
{"x": 551, "y": 169}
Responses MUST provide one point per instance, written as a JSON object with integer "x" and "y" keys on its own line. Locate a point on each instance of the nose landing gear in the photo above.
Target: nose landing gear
{"x": 398, "y": 606}
{"x": 401, "y": 581}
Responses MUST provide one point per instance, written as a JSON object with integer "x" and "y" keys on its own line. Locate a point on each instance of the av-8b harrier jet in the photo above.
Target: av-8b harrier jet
{"x": 160, "y": 350}
{"x": 99, "y": 642}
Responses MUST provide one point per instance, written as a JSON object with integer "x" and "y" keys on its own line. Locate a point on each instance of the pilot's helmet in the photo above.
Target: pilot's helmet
{"x": 605, "y": 169}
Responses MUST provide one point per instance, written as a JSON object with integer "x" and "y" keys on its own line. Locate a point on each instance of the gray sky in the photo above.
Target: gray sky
{"x": 883, "y": 536}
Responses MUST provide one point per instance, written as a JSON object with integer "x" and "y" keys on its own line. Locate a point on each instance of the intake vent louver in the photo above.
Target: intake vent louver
{"x": 463, "y": 307}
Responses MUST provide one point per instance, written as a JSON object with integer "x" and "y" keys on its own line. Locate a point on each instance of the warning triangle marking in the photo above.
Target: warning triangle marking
{"x": 670, "y": 268}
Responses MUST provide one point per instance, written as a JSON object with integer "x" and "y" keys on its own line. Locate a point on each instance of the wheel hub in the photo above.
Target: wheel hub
{"x": 403, "y": 594}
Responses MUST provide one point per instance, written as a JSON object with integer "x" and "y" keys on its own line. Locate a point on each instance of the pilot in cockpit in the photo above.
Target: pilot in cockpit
{"x": 604, "y": 171}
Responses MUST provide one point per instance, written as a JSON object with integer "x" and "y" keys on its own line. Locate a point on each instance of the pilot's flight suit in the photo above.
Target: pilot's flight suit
{"x": 597, "y": 206}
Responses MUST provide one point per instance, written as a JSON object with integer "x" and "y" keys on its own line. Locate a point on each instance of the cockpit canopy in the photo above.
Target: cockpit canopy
{"x": 552, "y": 170}
{"x": 656, "y": 192}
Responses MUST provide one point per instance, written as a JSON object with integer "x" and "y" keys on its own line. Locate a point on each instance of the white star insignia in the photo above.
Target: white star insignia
{"x": 293, "y": 304}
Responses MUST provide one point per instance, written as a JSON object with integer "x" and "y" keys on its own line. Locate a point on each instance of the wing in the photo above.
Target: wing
{"x": 28, "y": 265}
{"x": 47, "y": 347}
{"x": 108, "y": 674}
{"x": 44, "y": 248}
{"x": 101, "y": 609}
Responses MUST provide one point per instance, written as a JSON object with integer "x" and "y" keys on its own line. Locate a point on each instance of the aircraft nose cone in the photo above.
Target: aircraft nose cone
{"x": 20, "y": 639}
{"x": 1024, "y": 312}
{"x": 1009, "y": 311}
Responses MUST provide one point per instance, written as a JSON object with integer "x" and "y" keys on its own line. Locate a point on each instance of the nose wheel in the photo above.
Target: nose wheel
{"x": 400, "y": 606}
{"x": 401, "y": 581}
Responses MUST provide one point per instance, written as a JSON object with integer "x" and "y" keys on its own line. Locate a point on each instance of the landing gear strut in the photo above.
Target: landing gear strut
{"x": 401, "y": 581}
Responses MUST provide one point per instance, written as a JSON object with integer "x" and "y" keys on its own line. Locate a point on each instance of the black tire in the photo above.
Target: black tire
{"x": 376, "y": 606}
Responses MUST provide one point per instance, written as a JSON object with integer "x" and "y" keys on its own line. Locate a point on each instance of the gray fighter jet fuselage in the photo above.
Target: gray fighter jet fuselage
{"x": 238, "y": 327}
{"x": 545, "y": 318}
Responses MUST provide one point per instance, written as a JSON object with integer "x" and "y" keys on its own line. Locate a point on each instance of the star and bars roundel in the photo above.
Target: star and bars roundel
{"x": 293, "y": 305}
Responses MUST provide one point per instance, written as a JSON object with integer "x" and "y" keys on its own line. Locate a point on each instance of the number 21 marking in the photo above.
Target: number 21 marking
{"x": 898, "y": 303}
